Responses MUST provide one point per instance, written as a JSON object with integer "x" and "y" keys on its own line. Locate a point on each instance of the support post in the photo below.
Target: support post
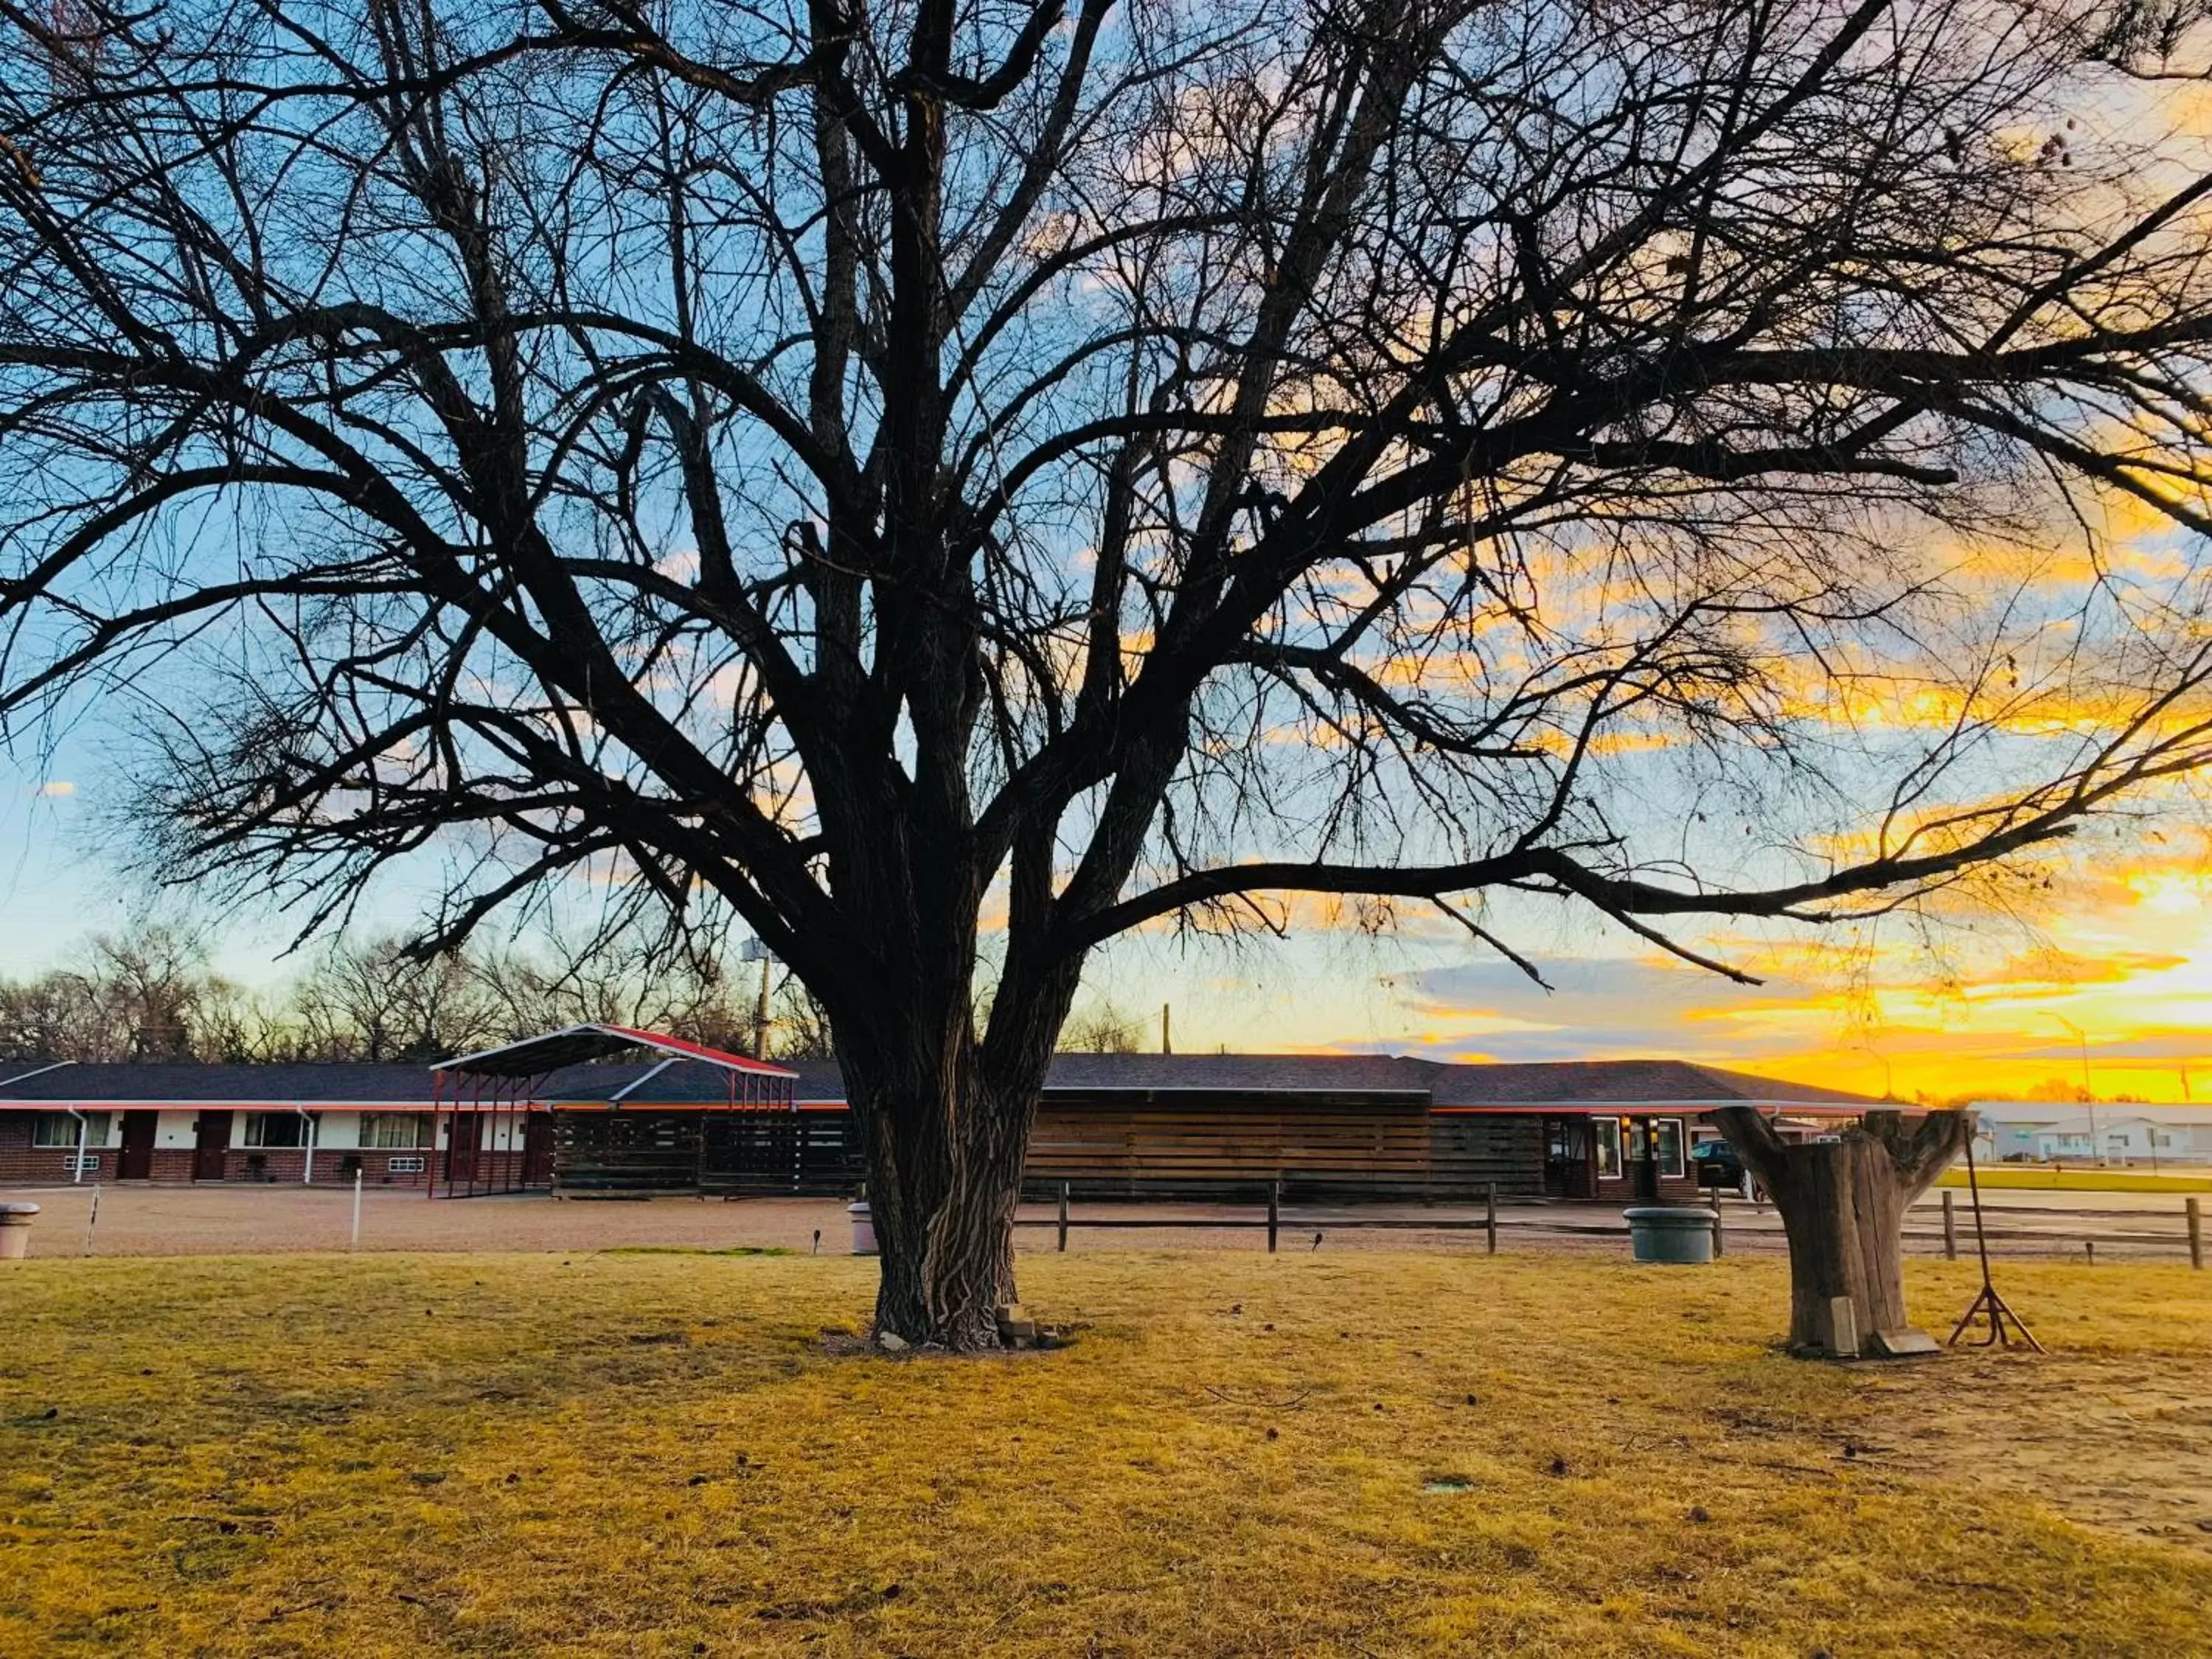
{"x": 2195, "y": 1213}
{"x": 92, "y": 1219}
{"x": 1490, "y": 1216}
{"x": 1275, "y": 1214}
{"x": 1950, "y": 1227}
{"x": 1063, "y": 1218}
{"x": 353, "y": 1243}
{"x": 1720, "y": 1240}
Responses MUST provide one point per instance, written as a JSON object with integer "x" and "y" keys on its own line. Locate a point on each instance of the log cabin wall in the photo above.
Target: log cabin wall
{"x": 1199, "y": 1144}
{"x": 1470, "y": 1150}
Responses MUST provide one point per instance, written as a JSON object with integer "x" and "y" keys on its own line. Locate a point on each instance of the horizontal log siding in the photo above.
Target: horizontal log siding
{"x": 1467, "y": 1153}
{"x": 626, "y": 1152}
{"x": 1190, "y": 1145}
{"x": 1200, "y": 1144}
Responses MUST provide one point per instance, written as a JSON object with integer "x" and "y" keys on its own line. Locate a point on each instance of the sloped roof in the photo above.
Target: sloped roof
{"x": 1531, "y": 1084}
{"x": 573, "y": 1045}
{"x": 686, "y": 1082}
{"x": 663, "y": 1083}
{"x": 1624, "y": 1082}
{"x": 1266, "y": 1073}
{"x": 306, "y": 1084}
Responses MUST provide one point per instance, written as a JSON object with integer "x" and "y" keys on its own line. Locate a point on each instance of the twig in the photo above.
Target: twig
{"x": 1296, "y": 1400}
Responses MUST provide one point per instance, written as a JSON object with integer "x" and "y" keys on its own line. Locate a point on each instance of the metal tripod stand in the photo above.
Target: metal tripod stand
{"x": 2003, "y": 1321}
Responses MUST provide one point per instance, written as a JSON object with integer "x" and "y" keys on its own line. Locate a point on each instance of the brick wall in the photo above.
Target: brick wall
{"x": 1673, "y": 1189}
{"x": 334, "y": 1165}
{"x": 23, "y": 1164}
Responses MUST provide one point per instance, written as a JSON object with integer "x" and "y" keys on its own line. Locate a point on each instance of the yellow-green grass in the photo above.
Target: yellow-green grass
{"x": 660, "y": 1455}
{"x": 2078, "y": 1181}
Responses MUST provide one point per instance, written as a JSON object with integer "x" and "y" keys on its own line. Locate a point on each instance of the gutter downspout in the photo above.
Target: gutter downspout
{"x": 36, "y": 1071}
{"x": 308, "y": 1170}
{"x": 76, "y": 1164}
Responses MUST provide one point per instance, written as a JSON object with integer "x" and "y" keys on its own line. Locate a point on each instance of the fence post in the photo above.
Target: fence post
{"x": 1950, "y": 1227}
{"x": 1720, "y": 1241}
{"x": 2196, "y": 1233}
{"x": 1274, "y": 1212}
{"x": 1490, "y": 1215}
{"x": 355, "y": 1242}
{"x": 1063, "y": 1217}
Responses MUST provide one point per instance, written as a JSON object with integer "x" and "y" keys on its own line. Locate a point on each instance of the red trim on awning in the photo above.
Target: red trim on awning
{"x": 573, "y": 1045}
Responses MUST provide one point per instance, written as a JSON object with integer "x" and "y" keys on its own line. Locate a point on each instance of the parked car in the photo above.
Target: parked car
{"x": 1717, "y": 1164}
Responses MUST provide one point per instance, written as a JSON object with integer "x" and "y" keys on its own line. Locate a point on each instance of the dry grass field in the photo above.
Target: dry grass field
{"x": 661, "y": 1454}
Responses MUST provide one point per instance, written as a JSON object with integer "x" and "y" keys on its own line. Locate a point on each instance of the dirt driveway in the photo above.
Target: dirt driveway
{"x": 237, "y": 1221}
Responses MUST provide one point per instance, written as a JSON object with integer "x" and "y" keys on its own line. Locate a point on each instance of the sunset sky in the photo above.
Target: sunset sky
{"x": 2117, "y": 948}
{"x": 2122, "y": 951}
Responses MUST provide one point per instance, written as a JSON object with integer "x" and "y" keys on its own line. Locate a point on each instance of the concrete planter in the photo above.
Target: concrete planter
{"x": 1666, "y": 1232}
{"x": 15, "y": 1230}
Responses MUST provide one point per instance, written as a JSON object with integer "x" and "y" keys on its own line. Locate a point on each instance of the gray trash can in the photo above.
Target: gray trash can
{"x": 1670, "y": 1232}
{"x": 863, "y": 1228}
{"x": 15, "y": 1230}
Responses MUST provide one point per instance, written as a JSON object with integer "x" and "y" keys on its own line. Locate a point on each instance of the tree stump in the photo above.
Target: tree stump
{"x": 1843, "y": 1204}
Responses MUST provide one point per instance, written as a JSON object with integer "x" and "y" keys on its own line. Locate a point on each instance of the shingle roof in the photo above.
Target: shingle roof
{"x": 1538, "y": 1083}
{"x": 307, "y": 1083}
{"x": 1604, "y": 1082}
{"x": 1353, "y": 1073}
{"x": 1535, "y": 1084}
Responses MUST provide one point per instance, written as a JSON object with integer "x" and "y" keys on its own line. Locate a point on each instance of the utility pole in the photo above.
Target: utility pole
{"x": 1167, "y": 1033}
{"x": 755, "y": 950}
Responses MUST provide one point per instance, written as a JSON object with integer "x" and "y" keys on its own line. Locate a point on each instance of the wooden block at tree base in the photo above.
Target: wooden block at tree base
{"x": 1843, "y": 1328}
{"x": 1905, "y": 1344}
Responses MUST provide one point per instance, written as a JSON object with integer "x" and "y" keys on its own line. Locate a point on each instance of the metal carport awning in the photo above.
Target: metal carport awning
{"x": 577, "y": 1045}
{"x": 498, "y": 1088}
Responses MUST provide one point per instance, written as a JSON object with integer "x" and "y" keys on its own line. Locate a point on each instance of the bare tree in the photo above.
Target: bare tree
{"x": 376, "y": 1001}
{"x": 615, "y": 979}
{"x": 858, "y": 470}
{"x": 799, "y": 1026}
{"x": 145, "y": 994}
{"x": 1102, "y": 1029}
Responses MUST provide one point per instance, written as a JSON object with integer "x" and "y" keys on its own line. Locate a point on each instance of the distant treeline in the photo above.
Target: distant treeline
{"x": 152, "y": 994}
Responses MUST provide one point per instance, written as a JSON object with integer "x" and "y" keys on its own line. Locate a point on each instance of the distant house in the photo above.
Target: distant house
{"x": 2065, "y": 1132}
{"x": 690, "y": 1120}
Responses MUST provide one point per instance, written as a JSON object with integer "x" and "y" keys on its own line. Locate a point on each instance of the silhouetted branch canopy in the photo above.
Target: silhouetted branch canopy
{"x": 833, "y": 465}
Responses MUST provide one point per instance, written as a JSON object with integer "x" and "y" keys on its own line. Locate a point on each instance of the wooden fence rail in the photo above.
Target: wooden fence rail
{"x": 2128, "y": 1228}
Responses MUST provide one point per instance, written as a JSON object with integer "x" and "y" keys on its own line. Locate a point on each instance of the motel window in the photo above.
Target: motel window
{"x": 2160, "y": 1137}
{"x": 60, "y": 1129}
{"x": 1609, "y": 1148}
{"x": 1670, "y": 1148}
{"x": 394, "y": 1131}
{"x": 276, "y": 1130}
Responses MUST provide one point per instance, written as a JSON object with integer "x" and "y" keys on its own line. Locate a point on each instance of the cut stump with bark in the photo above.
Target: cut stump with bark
{"x": 1842, "y": 1203}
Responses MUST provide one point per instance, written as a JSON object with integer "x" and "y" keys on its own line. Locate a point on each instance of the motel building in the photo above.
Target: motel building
{"x": 603, "y": 1108}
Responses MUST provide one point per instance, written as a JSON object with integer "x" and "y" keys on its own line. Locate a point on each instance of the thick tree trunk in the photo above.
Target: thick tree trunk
{"x": 945, "y": 1165}
{"x": 1843, "y": 1204}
